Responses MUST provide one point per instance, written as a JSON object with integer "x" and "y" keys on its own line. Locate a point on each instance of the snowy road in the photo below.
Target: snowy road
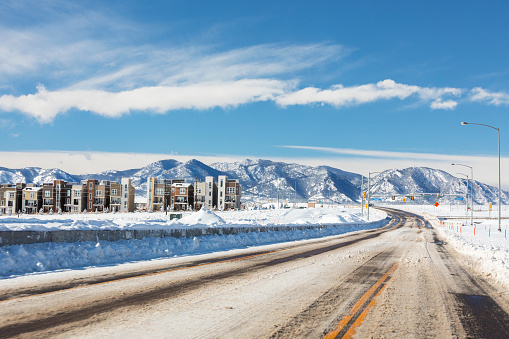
{"x": 398, "y": 281}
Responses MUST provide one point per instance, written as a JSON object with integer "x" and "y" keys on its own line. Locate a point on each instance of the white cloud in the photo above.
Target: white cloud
{"x": 493, "y": 98}
{"x": 439, "y": 104}
{"x": 339, "y": 96}
{"x": 45, "y": 105}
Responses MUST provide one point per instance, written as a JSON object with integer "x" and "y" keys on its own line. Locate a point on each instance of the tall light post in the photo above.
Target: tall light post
{"x": 499, "y": 186}
{"x": 362, "y": 196}
{"x": 466, "y": 202}
{"x": 369, "y": 189}
{"x": 471, "y": 191}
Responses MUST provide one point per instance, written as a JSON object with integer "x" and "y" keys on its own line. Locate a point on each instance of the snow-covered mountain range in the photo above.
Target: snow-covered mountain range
{"x": 262, "y": 179}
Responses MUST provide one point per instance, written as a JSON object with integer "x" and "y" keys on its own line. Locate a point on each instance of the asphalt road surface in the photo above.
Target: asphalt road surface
{"x": 398, "y": 281}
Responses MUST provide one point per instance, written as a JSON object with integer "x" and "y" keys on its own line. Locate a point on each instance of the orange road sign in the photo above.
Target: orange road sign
{"x": 436, "y": 204}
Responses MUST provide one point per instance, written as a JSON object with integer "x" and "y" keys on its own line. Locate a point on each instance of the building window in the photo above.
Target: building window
{"x": 198, "y": 190}
{"x": 32, "y": 195}
{"x": 221, "y": 194}
{"x": 210, "y": 194}
{"x": 68, "y": 192}
{"x": 182, "y": 191}
{"x": 125, "y": 195}
{"x": 11, "y": 195}
{"x": 159, "y": 191}
{"x": 230, "y": 190}
{"x": 47, "y": 193}
{"x": 77, "y": 193}
{"x": 91, "y": 186}
{"x": 90, "y": 196}
{"x": 90, "y": 205}
{"x": 221, "y": 183}
{"x": 68, "y": 201}
{"x": 98, "y": 193}
{"x": 113, "y": 191}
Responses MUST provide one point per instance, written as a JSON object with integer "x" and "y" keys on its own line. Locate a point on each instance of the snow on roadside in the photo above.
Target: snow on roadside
{"x": 154, "y": 221}
{"x": 487, "y": 249}
{"x": 43, "y": 257}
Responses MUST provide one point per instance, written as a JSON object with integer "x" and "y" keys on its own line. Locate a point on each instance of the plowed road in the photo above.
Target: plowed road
{"x": 398, "y": 281}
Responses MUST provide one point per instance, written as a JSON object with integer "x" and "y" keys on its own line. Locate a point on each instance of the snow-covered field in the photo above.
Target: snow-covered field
{"x": 487, "y": 248}
{"x": 43, "y": 257}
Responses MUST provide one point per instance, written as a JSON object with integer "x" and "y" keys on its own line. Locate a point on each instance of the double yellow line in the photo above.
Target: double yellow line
{"x": 358, "y": 305}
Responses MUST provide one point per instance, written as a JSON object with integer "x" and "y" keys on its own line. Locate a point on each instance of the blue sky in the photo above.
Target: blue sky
{"x": 358, "y": 85}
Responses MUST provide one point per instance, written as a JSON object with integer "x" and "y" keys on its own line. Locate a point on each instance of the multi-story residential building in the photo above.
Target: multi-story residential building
{"x": 206, "y": 194}
{"x": 102, "y": 196}
{"x": 122, "y": 196}
{"x": 11, "y": 198}
{"x": 62, "y": 195}
{"x": 159, "y": 193}
{"x": 79, "y": 193}
{"x": 228, "y": 193}
{"x": 224, "y": 195}
{"x": 90, "y": 195}
{"x": 182, "y": 196}
{"x": 48, "y": 197}
{"x": 31, "y": 199}
{"x": 56, "y": 196}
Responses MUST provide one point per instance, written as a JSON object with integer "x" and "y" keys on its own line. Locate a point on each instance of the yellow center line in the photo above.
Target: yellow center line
{"x": 359, "y": 304}
{"x": 351, "y": 331}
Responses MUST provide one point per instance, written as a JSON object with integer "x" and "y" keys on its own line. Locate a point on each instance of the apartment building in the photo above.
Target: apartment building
{"x": 206, "y": 194}
{"x": 122, "y": 196}
{"x": 11, "y": 198}
{"x": 56, "y": 196}
{"x": 31, "y": 199}
{"x": 159, "y": 193}
{"x": 79, "y": 194}
{"x": 182, "y": 196}
{"x": 228, "y": 193}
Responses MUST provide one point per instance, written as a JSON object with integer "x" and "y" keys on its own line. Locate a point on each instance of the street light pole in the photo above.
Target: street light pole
{"x": 362, "y": 196}
{"x": 466, "y": 203}
{"x": 471, "y": 191}
{"x": 499, "y": 186}
{"x": 369, "y": 189}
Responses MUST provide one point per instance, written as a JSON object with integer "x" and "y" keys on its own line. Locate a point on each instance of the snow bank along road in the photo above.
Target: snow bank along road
{"x": 397, "y": 281}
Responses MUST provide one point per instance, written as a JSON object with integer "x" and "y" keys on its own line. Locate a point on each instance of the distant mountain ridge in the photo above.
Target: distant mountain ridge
{"x": 262, "y": 179}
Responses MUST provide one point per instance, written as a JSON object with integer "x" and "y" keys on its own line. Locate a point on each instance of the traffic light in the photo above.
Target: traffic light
{"x": 412, "y": 197}
{"x": 438, "y": 196}
{"x": 424, "y": 196}
{"x": 363, "y": 195}
{"x": 393, "y": 197}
